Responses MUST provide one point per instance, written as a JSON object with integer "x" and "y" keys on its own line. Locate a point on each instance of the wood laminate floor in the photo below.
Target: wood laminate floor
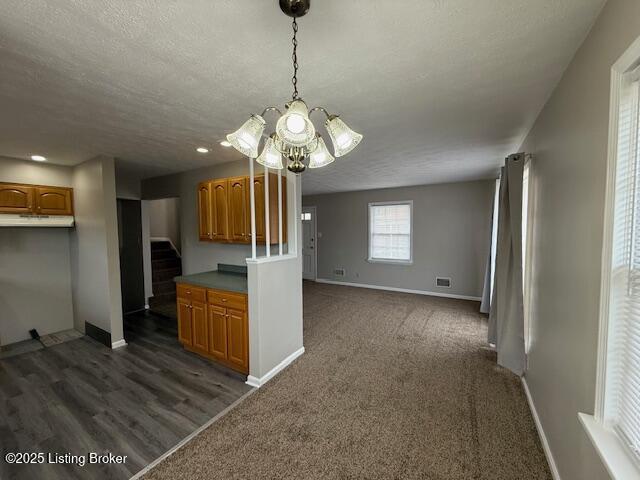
{"x": 81, "y": 397}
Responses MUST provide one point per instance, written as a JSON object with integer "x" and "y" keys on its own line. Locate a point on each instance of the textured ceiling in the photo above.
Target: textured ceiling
{"x": 441, "y": 90}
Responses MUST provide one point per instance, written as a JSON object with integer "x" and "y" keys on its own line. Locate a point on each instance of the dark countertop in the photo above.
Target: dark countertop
{"x": 216, "y": 279}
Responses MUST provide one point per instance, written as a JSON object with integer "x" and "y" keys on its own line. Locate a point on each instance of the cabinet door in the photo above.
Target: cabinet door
{"x": 237, "y": 340}
{"x": 217, "y": 332}
{"x": 204, "y": 210}
{"x": 238, "y": 209}
{"x": 200, "y": 328}
{"x": 54, "y": 201}
{"x": 258, "y": 188}
{"x": 184, "y": 322}
{"x": 16, "y": 198}
{"x": 273, "y": 208}
{"x": 220, "y": 210}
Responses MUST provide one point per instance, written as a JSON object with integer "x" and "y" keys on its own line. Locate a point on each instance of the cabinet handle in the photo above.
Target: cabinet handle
{"x": 224, "y": 299}
{"x": 188, "y": 292}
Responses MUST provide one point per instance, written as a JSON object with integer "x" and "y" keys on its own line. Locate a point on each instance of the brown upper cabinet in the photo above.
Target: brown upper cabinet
{"x": 220, "y": 210}
{"x": 53, "y": 201}
{"x": 204, "y": 210}
{"x": 224, "y": 209}
{"x": 35, "y": 199}
{"x": 238, "y": 210}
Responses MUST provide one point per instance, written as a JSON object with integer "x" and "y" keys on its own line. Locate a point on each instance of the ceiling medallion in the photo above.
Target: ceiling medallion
{"x": 295, "y": 136}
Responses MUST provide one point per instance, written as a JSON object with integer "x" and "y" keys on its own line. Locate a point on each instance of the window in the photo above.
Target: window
{"x": 622, "y": 409}
{"x": 390, "y": 233}
{"x": 615, "y": 429}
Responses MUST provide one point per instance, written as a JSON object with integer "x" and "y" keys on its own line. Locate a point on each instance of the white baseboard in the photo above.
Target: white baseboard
{"x": 118, "y": 344}
{"x": 258, "y": 382}
{"x": 543, "y": 438}
{"x": 396, "y": 289}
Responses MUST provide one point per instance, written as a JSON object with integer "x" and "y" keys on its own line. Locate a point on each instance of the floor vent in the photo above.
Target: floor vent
{"x": 338, "y": 272}
{"x": 443, "y": 282}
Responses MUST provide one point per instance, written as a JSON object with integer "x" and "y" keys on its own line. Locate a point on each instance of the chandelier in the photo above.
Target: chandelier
{"x": 295, "y": 136}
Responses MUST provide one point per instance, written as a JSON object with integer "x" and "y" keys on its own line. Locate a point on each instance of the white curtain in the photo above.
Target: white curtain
{"x": 489, "y": 274}
{"x": 506, "y": 318}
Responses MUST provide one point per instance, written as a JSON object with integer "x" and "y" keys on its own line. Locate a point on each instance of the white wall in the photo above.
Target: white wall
{"x": 451, "y": 236}
{"x": 164, "y": 219}
{"x": 94, "y": 248}
{"x": 127, "y": 185}
{"x": 569, "y": 144}
{"x": 35, "y": 277}
{"x": 37, "y": 173}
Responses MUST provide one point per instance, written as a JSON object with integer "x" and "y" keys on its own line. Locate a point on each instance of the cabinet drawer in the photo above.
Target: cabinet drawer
{"x": 227, "y": 299}
{"x": 196, "y": 294}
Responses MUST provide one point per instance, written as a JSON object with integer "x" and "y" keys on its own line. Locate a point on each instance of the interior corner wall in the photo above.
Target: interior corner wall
{"x": 35, "y": 274}
{"x": 95, "y": 263}
{"x": 451, "y": 237}
{"x": 569, "y": 143}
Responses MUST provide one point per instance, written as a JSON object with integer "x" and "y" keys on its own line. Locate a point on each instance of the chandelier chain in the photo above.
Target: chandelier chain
{"x": 294, "y": 57}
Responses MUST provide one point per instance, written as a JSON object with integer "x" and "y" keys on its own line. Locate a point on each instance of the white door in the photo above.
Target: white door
{"x": 309, "y": 250}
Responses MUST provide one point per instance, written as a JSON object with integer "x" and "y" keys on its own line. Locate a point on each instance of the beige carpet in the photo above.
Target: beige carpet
{"x": 392, "y": 386}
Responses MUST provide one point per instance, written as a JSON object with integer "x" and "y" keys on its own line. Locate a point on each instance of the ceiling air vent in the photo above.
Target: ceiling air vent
{"x": 443, "y": 282}
{"x": 338, "y": 272}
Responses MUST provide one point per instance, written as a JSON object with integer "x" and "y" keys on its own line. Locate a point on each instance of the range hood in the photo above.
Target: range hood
{"x": 12, "y": 220}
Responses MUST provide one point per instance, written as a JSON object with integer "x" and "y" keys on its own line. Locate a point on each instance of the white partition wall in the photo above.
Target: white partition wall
{"x": 275, "y": 299}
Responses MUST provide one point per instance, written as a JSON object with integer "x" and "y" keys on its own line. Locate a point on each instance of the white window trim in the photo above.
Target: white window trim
{"x": 370, "y": 259}
{"x": 615, "y": 454}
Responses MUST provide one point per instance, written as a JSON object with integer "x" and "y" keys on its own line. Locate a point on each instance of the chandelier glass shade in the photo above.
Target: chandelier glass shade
{"x": 344, "y": 139}
{"x": 295, "y": 135}
{"x": 320, "y": 157}
{"x": 295, "y": 127}
{"x": 270, "y": 156}
{"x": 247, "y": 138}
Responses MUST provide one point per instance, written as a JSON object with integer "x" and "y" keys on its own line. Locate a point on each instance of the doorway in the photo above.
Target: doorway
{"x": 130, "y": 243}
{"x": 309, "y": 243}
{"x": 165, "y": 262}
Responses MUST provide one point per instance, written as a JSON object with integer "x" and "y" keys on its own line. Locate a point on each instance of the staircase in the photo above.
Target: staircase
{"x": 165, "y": 264}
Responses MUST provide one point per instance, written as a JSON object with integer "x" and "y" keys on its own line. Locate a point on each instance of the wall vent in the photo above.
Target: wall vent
{"x": 443, "y": 282}
{"x": 339, "y": 272}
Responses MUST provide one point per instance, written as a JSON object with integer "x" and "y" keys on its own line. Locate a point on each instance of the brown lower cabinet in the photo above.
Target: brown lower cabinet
{"x": 214, "y": 323}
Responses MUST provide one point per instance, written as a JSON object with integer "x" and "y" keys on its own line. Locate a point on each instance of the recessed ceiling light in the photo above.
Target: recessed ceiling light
{"x": 202, "y": 150}
{"x": 225, "y": 143}
{"x": 38, "y": 158}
